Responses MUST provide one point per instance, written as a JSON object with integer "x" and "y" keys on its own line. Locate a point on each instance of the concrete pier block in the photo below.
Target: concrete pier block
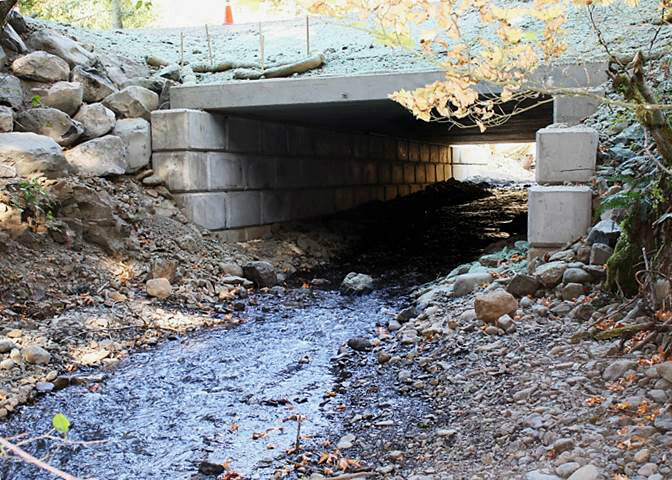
{"x": 198, "y": 171}
{"x": 572, "y": 110}
{"x": 566, "y": 154}
{"x": 244, "y": 135}
{"x": 205, "y": 209}
{"x": 188, "y": 130}
{"x": 558, "y": 214}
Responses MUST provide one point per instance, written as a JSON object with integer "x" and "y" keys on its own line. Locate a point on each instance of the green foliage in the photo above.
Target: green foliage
{"x": 94, "y": 14}
{"x": 61, "y": 424}
{"x": 36, "y": 101}
{"x": 35, "y": 203}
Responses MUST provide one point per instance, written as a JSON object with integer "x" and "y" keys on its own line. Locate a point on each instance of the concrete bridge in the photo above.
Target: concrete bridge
{"x": 242, "y": 156}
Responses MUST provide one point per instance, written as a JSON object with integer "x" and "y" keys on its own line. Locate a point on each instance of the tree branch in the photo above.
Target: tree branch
{"x": 28, "y": 458}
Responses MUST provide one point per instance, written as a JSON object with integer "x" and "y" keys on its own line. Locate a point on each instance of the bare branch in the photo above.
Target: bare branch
{"x": 28, "y": 458}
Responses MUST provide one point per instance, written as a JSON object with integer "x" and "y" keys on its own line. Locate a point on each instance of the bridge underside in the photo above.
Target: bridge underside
{"x": 245, "y": 155}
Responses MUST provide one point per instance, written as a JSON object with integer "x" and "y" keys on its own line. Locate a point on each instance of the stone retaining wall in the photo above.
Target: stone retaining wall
{"x": 232, "y": 172}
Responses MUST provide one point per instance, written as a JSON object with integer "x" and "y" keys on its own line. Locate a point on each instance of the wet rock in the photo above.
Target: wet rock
{"x": 576, "y": 275}
{"x": 345, "y": 442}
{"x": 137, "y": 136}
{"x": 100, "y": 157}
{"x": 393, "y": 325}
{"x": 550, "y": 274}
{"x": 63, "y": 47}
{"x": 618, "y": 368}
{"x": 491, "y": 306}
{"x": 491, "y": 260}
{"x": 505, "y": 322}
{"x": 41, "y": 67}
{"x": 35, "y": 355}
{"x": 6, "y": 119}
{"x": 159, "y": 288}
{"x": 522, "y": 285}
{"x": 11, "y": 91}
{"x": 572, "y": 291}
{"x": 360, "y": 344}
{"x": 600, "y": 253}
{"x": 44, "y": 387}
{"x": 52, "y": 123}
{"x": 261, "y": 273}
{"x": 357, "y": 283}
{"x": 211, "y": 469}
{"x": 29, "y": 153}
{"x": 605, "y": 232}
{"x": 97, "y": 120}
{"x": 587, "y": 472}
{"x": 133, "y": 102}
{"x": 65, "y": 96}
{"x": 95, "y": 84}
{"x": 467, "y": 283}
{"x": 383, "y": 357}
{"x": 562, "y": 256}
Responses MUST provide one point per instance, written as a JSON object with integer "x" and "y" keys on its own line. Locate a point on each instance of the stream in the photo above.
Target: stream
{"x": 231, "y": 395}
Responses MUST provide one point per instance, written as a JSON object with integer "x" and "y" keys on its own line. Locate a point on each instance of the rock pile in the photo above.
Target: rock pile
{"x": 96, "y": 107}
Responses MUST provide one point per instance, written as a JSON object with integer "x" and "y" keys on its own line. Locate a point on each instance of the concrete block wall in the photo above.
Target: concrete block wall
{"x": 234, "y": 173}
{"x": 560, "y": 207}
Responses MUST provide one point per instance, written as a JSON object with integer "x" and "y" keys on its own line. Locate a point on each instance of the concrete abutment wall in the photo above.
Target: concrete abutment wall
{"x": 233, "y": 173}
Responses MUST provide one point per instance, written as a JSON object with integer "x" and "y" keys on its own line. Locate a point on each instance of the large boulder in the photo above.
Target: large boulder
{"x": 96, "y": 85}
{"x": 100, "y": 157}
{"x": 133, "y": 102}
{"x": 121, "y": 68}
{"x": 41, "y": 67}
{"x": 29, "y": 153}
{"x": 52, "y": 123}
{"x": 97, "y": 120}
{"x": 261, "y": 273}
{"x": 357, "y": 283}
{"x": 65, "y": 96}
{"x": 492, "y": 305}
{"x": 63, "y": 47}
{"x": 137, "y": 136}
{"x": 11, "y": 92}
{"x": 550, "y": 274}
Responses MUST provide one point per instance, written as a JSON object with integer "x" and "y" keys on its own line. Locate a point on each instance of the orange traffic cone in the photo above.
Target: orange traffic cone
{"x": 228, "y": 18}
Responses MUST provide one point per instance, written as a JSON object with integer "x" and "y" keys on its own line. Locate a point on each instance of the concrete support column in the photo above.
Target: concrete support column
{"x": 560, "y": 207}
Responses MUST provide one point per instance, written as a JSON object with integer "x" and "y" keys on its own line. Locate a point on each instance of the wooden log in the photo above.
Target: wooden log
{"x": 154, "y": 61}
{"x": 310, "y": 63}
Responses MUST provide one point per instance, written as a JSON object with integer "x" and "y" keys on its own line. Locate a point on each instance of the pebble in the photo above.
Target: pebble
{"x": 6, "y": 346}
{"x": 346, "y": 442}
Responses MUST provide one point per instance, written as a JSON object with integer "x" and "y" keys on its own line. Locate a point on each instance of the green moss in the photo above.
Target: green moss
{"x": 621, "y": 265}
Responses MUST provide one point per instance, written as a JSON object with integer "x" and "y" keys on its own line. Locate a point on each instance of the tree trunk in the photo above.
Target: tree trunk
{"x": 6, "y": 6}
{"x": 117, "y": 15}
{"x": 639, "y": 231}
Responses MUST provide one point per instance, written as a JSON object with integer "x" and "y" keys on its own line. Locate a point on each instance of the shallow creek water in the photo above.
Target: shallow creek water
{"x": 205, "y": 396}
